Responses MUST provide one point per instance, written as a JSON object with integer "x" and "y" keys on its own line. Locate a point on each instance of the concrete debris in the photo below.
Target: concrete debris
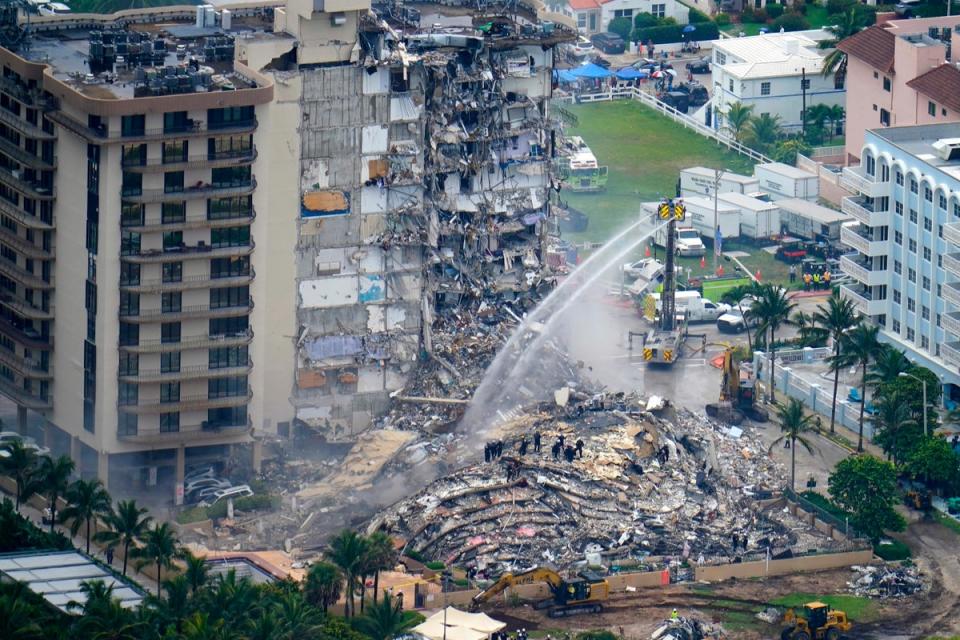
{"x": 885, "y": 581}
{"x": 646, "y": 489}
{"x": 770, "y": 615}
{"x": 681, "y": 628}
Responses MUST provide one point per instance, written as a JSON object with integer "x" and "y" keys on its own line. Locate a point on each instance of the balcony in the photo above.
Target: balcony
{"x": 190, "y": 433}
{"x": 203, "y": 281}
{"x": 24, "y": 127}
{"x": 951, "y": 293}
{"x": 27, "y": 368}
{"x": 862, "y": 271}
{"x": 855, "y": 179}
{"x": 148, "y": 196}
{"x": 951, "y": 322}
{"x": 24, "y": 309}
{"x": 863, "y": 211}
{"x": 176, "y": 254}
{"x": 21, "y": 216}
{"x": 863, "y": 300}
{"x": 191, "y": 342}
{"x": 22, "y": 276}
{"x": 26, "y": 337}
{"x": 22, "y": 246}
{"x": 25, "y": 158}
{"x": 194, "y": 129}
{"x": 197, "y": 372}
{"x": 188, "y": 313}
{"x": 30, "y": 188}
{"x": 201, "y": 221}
{"x": 855, "y": 237}
{"x": 187, "y": 403}
{"x": 24, "y": 398}
{"x": 950, "y": 352}
{"x": 951, "y": 262}
{"x": 197, "y": 161}
{"x": 951, "y": 233}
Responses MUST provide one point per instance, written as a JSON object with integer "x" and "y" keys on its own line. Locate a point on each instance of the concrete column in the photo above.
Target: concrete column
{"x": 808, "y": 354}
{"x": 180, "y": 473}
{"x": 814, "y": 391}
{"x": 74, "y": 449}
{"x": 257, "y": 455}
{"x": 22, "y": 420}
{"x": 785, "y": 380}
{"x": 103, "y": 468}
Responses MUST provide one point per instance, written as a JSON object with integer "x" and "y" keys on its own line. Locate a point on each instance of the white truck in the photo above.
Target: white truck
{"x": 699, "y": 181}
{"x": 695, "y": 307}
{"x": 758, "y": 218}
{"x": 688, "y": 241}
{"x": 783, "y": 181}
{"x": 700, "y": 219}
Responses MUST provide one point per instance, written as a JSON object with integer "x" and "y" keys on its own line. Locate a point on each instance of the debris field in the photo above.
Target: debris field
{"x": 885, "y": 581}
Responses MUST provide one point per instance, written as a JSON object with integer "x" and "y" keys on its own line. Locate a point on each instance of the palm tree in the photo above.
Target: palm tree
{"x": 160, "y": 547}
{"x": 809, "y": 332}
{"x": 836, "y": 318}
{"x": 860, "y": 345}
{"x": 837, "y": 116}
{"x": 21, "y": 465}
{"x": 19, "y": 618}
{"x": 299, "y": 618}
{"x": 323, "y": 584}
{"x": 852, "y": 21}
{"x": 737, "y": 118}
{"x": 773, "y": 309}
{"x": 383, "y": 555}
{"x": 199, "y": 626}
{"x": 103, "y": 617}
{"x": 196, "y": 573}
{"x": 794, "y": 423}
{"x": 763, "y": 131}
{"x": 347, "y": 552}
{"x": 735, "y": 296}
{"x": 385, "y": 620}
{"x": 126, "y": 526}
{"x": 54, "y": 479}
{"x": 895, "y": 427}
{"x": 86, "y": 501}
{"x": 816, "y": 118}
{"x": 888, "y": 363}
{"x": 230, "y": 596}
{"x": 177, "y": 605}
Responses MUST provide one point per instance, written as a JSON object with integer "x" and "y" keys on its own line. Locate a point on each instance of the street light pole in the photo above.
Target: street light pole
{"x": 717, "y": 174}
{"x": 904, "y": 374}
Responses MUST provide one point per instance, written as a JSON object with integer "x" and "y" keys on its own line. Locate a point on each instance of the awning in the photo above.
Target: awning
{"x": 629, "y": 73}
{"x": 591, "y": 71}
{"x": 564, "y": 75}
{"x": 460, "y": 625}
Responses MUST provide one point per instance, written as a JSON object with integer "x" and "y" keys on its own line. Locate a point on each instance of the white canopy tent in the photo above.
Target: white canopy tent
{"x": 460, "y": 625}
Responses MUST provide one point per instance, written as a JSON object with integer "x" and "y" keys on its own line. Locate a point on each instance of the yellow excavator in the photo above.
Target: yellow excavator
{"x": 817, "y": 621}
{"x": 584, "y": 594}
{"x": 738, "y": 394}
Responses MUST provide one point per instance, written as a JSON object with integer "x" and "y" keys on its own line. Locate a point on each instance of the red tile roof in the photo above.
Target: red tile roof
{"x": 941, "y": 84}
{"x": 584, "y": 5}
{"x": 874, "y": 45}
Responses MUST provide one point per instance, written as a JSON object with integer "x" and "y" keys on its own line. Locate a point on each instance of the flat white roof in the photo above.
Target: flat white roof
{"x": 703, "y": 202}
{"x": 746, "y": 202}
{"x": 727, "y": 176}
{"x": 773, "y": 54}
{"x": 57, "y": 576}
{"x": 784, "y": 170}
{"x": 812, "y": 210}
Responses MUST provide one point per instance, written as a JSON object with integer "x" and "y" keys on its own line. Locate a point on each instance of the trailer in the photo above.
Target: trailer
{"x": 810, "y": 220}
{"x": 783, "y": 181}
{"x": 758, "y": 218}
{"x": 699, "y": 181}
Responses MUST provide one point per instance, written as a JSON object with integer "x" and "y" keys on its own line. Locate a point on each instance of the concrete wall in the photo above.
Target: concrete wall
{"x": 762, "y": 568}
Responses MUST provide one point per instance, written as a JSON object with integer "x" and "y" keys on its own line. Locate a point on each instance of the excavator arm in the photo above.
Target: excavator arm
{"x": 537, "y": 574}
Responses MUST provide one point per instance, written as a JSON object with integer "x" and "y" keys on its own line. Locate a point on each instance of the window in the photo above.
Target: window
{"x": 129, "y": 303}
{"x": 925, "y": 312}
{"x": 129, "y": 274}
{"x": 134, "y": 155}
{"x": 884, "y": 117}
{"x": 229, "y": 267}
{"x": 925, "y": 282}
{"x": 940, "y": 259}
{"x": 926, "y": 254}
{"x": 659, "y": 10}
{"x": 172, "y": 240}
{"x": 227, "y": 416}
{"x": 721, "y": 57}
{"x": 911, "y": 275}
{"x": 899, "y": 177}
{"x": 226, "y": 208}
{"x": 895, "y": 326}
{"x": 127, "y": 393}
{"x": 230, "y": 176}
{"x": 913, "y": 186}
{"x": 913, "y": 216}
{"x": 170, "y": 332}
{"x": 938, "y": 319}
{"x": 127, "y": 424}
{"x": 129, "y": 364}
{"x": 170, "y": 422}
{"x": 238, "y": 325}
{"x": 229, "y": 297}
{"x": 956, "y": 210}
{"x": 912, "y": 244}
{"x": 764, "y": 88}
{"x": 132, "y": 184}
{"x": 236, "y": 146}
{"x": 170, "y": 392}
{"x": 227, "y": 387}
{"x": 942, "y": 201}
{"x": 896, "y": 296}
{"x": 236, "y": 116}
{"x": 911, "y": 334}
{"x": 898, "y": 237}
{"x": 176, "y": 122}
{"x": 173, "y": 272}
{"x": 939, "y": 290}
{"x": 174, "y": 151}
{"x": 623, "y": 13}
{"x": 898, "y": 207}
{"x": 170, "y": 362}
{"x": 886, "y": 83}
{"x": 171, "y": 302}
{"x": 927, "y": 193}
{"x": 131, "y": 214}
{"x": 581, "y": 20}
{"x": 924, "y": 342}
{"x": 911, "y": 305}
{"x": 173, "y": 212}
{"x": 932, "y": 109}
{"x": 230, "y": 237}
{"x": 133, "y": 125}
{"x": 730, "y": 85}
{"x": 223, "y": 357}
{"x": 129, "y": 334}
{"x": 173, "y": 182}
{"x": 897, "y": 267}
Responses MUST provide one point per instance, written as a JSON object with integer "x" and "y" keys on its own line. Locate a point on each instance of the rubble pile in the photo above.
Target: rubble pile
{"x": 885, "y": 581}
{"x": 646, "y": 486}
{"x": 682, "y": 628}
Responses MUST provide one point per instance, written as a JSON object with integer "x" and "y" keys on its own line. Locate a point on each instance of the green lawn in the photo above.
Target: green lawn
{"x": 857, "y": 608}
{"x": 645, "y": 153}
{"x": 816, "y": 15}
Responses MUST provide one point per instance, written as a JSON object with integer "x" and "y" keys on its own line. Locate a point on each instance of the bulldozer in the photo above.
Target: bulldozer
{"x": 738, "y": 397}
{"x": 584, "y": 594}
{"x": 817, "y": 621}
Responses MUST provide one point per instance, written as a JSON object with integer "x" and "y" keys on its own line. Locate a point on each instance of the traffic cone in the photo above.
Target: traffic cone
{"x": 703, "y": 262}
{"x": 647, "y": 252}
{"x": 758, "y": 275}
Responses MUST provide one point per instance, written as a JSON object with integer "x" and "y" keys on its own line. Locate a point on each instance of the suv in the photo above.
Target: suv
{"x": 610, "y": 43}
{"x": 581, "y": 48}
{"x": 699, "y": 66}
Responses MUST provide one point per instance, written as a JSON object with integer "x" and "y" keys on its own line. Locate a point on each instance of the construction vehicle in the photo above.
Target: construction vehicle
{"x": 584, "y": 594}
{"x": 817, "y": 621}
{"x": 738, "y": 394}
{"x": 663, "y": 344}
{"x": 918, "y": 499}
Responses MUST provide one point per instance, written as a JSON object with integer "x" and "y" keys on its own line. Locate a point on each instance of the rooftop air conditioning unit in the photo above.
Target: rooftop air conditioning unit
{"x": 947, "y": 148}
{"x": 338, "y": 19}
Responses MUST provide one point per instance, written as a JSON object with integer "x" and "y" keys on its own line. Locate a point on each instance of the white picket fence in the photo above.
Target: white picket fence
{"x": 688, "y": 122}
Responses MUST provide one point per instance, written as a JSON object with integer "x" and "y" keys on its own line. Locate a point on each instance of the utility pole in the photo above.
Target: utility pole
{"x": 803, "y": 91}
{"x": 717, "y": 175}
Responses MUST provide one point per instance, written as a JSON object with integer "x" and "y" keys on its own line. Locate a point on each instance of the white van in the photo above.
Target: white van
{"x": 695, "y": 307}
{"x": 239, "y": 491}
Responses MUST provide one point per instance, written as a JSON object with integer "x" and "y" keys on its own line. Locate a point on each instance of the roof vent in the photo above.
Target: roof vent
{"x": 947, "y": 148}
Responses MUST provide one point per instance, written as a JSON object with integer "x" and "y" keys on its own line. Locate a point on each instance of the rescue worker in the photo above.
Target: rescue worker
{"x": 580, "y": 449}
{"x": 555, "y": 450}
{"x": 793, "y": 273}
{"x": 806, "y": 282}
{"x": 536, "y": 441}
{"x": 674, "y": 615}
{"x": 826, "y": 278}
{"x": 523, "y": 447}
{"x": 816, "y": 282}
{"x": 568, "y": 453}
{"x": 561, "y": 439}
{"x": 486, "y": 452}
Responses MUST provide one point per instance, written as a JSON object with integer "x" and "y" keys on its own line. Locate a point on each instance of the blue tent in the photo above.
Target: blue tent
{"x": 629, "y": 73}
{"x": 591, "y": 71}
{"x": 564, "y": 75}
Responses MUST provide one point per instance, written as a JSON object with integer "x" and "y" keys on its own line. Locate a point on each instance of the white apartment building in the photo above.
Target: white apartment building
{"x": 771, "y": 72}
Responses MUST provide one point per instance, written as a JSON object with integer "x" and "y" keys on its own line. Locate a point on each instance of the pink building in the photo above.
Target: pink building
{"x": 898, "y": 74}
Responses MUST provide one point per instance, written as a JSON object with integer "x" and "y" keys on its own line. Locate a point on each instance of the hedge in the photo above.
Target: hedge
{"x": 674, "y": 33}
{"x": 893, "y": 550}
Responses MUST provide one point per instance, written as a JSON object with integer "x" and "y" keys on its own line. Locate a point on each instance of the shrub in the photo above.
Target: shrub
{"x": 757, "y": 16}
{"x": 698, "y": 16}
{"x": 643, "y": 20}
{"x": 621, "y": 27}
{"x": 774, "y": 11}
{"x": 892, "y": 550}
{"x": 722, "y": 19}
{"x": 260, "y": 502}
{"x": 596, "y": 634}
{"x": 436, "y": 565}
{"x": 790, "y": 22}
{"x": 839, "y": 6}
{"x": 674, "y": 33}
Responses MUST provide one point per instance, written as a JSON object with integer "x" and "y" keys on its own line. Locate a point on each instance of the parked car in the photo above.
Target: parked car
{"x": 204, "y": 483}
{"x": 582, "y": 47}
{"x": 735, "y": 322}
{"x": 7, "y": 437}
{"x": 609, "y": 43}
{"x": 239, "y": 491}
{"x": 699, "y": 66}
{"x": 204, "y": 471}
{"x": 204, "y": 496}
{"x": 648, "y": 268}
